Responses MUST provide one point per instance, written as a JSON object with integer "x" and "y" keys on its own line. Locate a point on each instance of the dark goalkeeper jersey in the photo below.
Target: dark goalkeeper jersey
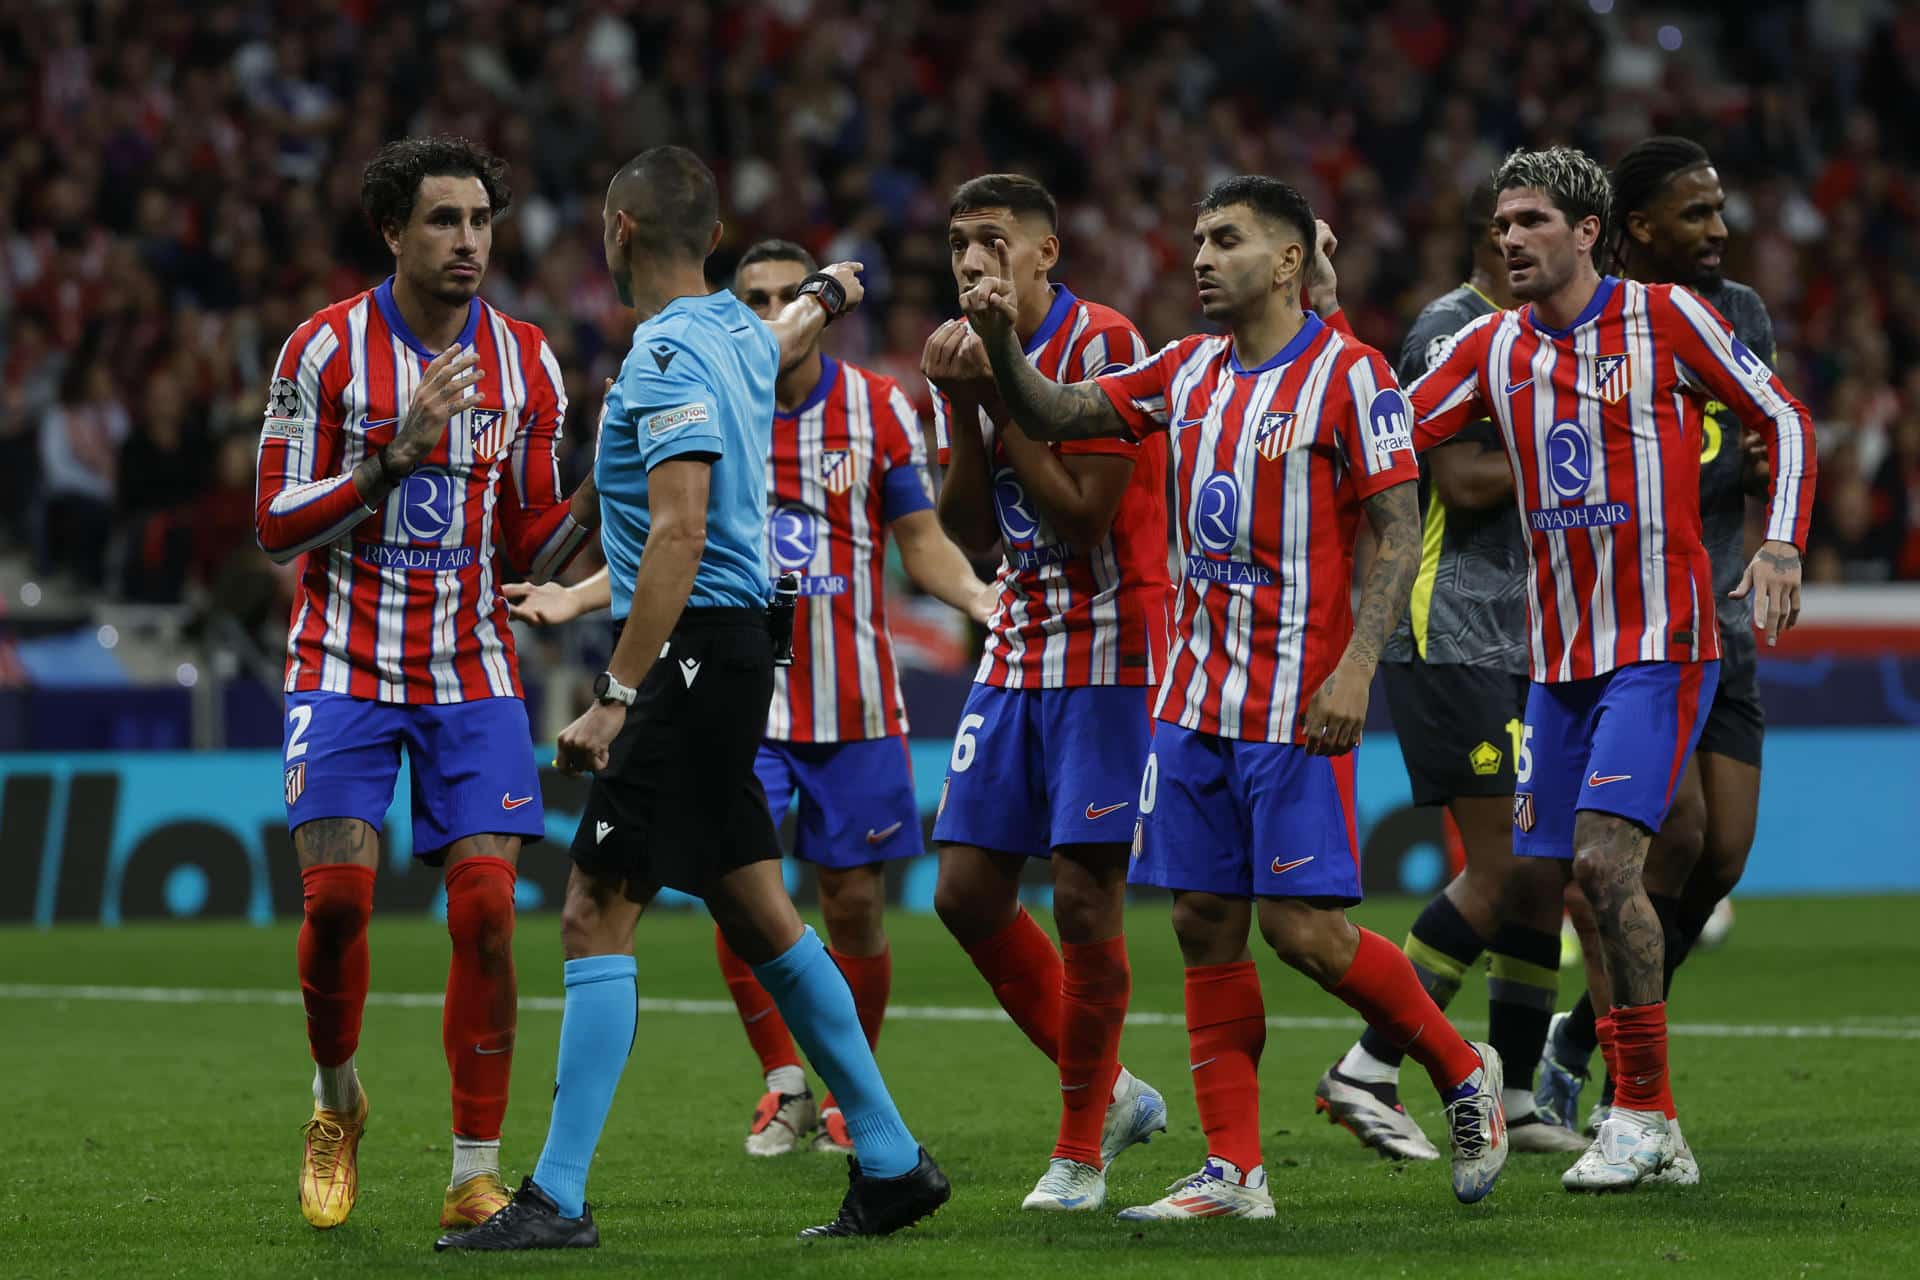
{"x": 1469, "y": 601}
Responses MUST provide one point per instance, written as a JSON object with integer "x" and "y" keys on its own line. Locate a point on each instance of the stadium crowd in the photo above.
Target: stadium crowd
{"x": 180, "y": 186}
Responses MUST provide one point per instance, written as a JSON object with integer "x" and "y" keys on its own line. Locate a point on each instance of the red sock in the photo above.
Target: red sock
{"x": 1603, "y": 1032}
{"x": 1093, "y": 1005}
{"x": 482, "y": 1005}
{"x": 334, "y": 966}
{"x": 871, "y": 978}
{"x": 766, "y": 1029}
{"x": 1025, "y": 972}
{"x": 1382, "y": 987}
{"x": 1640, "y": 1055}
{"x": 1226, "y": 1030}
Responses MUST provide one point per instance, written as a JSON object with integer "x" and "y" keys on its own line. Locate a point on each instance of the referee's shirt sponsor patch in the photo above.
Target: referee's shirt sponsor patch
{"x": 668, "y": 420}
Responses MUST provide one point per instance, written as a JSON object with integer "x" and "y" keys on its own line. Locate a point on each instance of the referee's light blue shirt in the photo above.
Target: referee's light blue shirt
{"x": 699, "y": 380}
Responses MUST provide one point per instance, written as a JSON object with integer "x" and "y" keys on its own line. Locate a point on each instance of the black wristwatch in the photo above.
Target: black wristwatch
{"x": 607, "y": 691}
{"x": 827, "y": 291}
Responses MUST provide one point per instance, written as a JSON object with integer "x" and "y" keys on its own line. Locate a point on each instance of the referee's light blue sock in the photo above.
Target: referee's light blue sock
{"x": 813, "y": 996}
{"x": 596, "y": 1035}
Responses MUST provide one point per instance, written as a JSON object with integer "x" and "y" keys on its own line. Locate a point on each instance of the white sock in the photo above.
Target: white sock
{"x": 1120, "y": 1083}
{"x": 471, "y": 1158}
{"x": 1518, "y": 1103}
{"x": 787, "y": 1080}
{"x": 336, "y": 1088}
{"x": 1367, "y": 1069}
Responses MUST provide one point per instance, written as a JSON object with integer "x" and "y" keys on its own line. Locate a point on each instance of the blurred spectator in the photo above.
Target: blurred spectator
{"x": 80, "y": 438}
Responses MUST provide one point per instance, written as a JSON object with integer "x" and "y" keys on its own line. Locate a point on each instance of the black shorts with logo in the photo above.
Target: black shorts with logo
{"x": 1453, "y": 722}
{"x": 1735, "y": 722}
{"x": 678, "y": 803}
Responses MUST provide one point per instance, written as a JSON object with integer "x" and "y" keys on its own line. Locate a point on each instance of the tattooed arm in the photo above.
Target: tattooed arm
{"x": 1044, "y": 409}
{"x": 1339, "y": 709}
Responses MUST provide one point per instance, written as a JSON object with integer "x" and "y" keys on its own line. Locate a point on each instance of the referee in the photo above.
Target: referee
{"x": 681, "y": 708}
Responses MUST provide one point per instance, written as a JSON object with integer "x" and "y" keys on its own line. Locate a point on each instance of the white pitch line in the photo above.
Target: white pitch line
{"x": 905, "y": 1012}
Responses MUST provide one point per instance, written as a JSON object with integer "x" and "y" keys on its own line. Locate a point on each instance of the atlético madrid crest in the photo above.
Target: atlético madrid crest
{"x": 488, "y": 430}
{"x": 296, "y": 781}
{"x": 1274, "y": 435}
{"x": 836, "y": 470}
{"x": 1612, "y": 376}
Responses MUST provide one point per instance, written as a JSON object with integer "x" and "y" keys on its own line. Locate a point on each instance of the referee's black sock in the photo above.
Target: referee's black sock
{"x": 1442, "y": 947}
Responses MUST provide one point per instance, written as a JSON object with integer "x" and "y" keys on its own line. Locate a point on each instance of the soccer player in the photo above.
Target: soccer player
{"x": 1668, "y": 229}
{"x": 681, "y": 708}
{"x": 1455, "y": 676}
{"x": 1282, "y": 432}
{"x": 848, "y": 471}
{"x": 400, "y": 424}
{"x": 1599, "y": 388}
{"x": 1046, "y": 759}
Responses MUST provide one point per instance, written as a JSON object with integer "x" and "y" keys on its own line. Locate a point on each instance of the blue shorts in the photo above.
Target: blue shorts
{"x": 1246, "y": 819}
{"x": 1035, "y": 769}
{"x": 1616, "y": 743}
{"x": 856, "y": 799}
{"x": 472, "y": 765}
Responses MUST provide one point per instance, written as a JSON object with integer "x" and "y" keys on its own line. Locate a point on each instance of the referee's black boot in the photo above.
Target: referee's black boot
{"x": 881, "y": 1206}
{"x": 530, "y": 1221}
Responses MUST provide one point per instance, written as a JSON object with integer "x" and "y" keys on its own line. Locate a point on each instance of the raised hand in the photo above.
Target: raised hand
{"x": 1323, "y": 284}
{"x": 1773, "y": 579}
{"x": 848, "y": 276}
{"x": 444, "y": 389}
{"x": 955, "y": 361}
{"x": 989, "y": 303}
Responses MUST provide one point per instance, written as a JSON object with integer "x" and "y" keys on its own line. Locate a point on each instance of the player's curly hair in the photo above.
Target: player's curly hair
{"x": 1572, "y": 179}
{"x": 1268, "y": 197}
{"x": 392, "y": 178}
{"x": 1641, "y": 174}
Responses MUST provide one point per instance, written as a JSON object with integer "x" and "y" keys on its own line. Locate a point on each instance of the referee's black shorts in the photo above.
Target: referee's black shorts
{"x": 1453, "y": 722}
{"x": 678, "y": 803}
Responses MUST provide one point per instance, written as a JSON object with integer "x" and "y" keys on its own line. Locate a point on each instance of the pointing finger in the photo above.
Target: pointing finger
{"x": 1002, "y": 259}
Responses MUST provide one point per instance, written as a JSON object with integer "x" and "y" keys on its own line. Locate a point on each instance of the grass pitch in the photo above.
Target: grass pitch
{"x": 161, "y": 1137}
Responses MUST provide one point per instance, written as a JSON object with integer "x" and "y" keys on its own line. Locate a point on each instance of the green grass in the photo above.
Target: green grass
{"x": 149, "y": 1139}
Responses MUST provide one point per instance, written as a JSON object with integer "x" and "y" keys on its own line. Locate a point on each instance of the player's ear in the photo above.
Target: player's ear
{"x": 1049, "y": 252}
{"x": 390, "y": 232}
{"x": 713, "y": 237}
{"x": 1586, "y": 232}
{"x": 1639, "y": 228}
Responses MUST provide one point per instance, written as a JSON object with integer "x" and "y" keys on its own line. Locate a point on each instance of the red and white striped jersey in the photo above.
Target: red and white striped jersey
{"x": 1602, "y": 423}
{"x": 845, "y": 463}
{"x": 401, "y": 604}
{"x": 1271, "y": 466}
{"x": 1071, "y": 616}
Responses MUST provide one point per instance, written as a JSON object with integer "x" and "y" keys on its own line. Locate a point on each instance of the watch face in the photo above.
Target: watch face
{"x": 602, "y": 683}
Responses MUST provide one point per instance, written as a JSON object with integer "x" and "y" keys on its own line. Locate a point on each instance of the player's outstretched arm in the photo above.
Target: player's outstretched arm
{"x": 677, "y": 507}
{"x": 1470, "y": 476}
{"x": 548, "y": 604}
{"x": 1338, "y": 710}
{"x": 801, "y": 321}
{"x": 939, "y": 568}
{"x": 1045, "y": 410}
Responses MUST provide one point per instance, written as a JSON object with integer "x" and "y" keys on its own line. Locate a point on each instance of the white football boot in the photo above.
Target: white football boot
{"x": 1219, "y": 1190}
{"x": 780, "y": 1122}
{"x": 1068, "y": 1187}
{"x": 1136, "y": 1113}
{"x": 1631, "y": 1147}
{"x": 1477, "y": 1131}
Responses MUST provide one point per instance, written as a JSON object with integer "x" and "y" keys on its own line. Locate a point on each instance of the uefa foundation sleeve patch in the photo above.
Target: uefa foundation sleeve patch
{"x": 669, "y": 420}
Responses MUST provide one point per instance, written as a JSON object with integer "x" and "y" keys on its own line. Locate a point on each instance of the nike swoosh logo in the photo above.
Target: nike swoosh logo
{"x": 1595, "y": 780}
{"x": 1184, "y": 423}
{"x": 1195, "y": 1066}
{"x": 1520, "y": 386}
{"x": 1071, "y": 1088}
{"x": 756, "y": 1017}
{"x": 490, "y": 1052}
{"x": 1094, "y": 815}
{"x": 1280, "y": 868}
{"x": 883, "y": 834}
{"x": 508, "y": 802}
